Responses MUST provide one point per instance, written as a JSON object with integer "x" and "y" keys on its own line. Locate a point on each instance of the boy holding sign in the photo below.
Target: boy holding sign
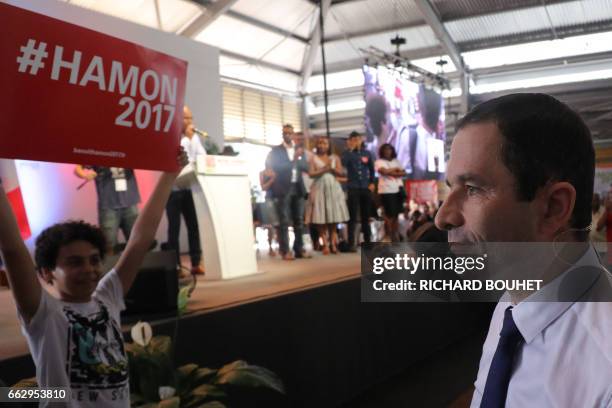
{"x": 75, "y": 339}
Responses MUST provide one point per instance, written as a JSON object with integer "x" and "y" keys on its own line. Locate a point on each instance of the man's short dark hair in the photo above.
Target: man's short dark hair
{"x": 286, "y": 125}
{"x": 354, "y": 133}
{"x": 543, "y": 140}
{"x": 50, "y": 241}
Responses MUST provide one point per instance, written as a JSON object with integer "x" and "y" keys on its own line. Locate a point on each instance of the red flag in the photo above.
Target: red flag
{"x": 8, "y": 173}
{"x": 422, "y": 191}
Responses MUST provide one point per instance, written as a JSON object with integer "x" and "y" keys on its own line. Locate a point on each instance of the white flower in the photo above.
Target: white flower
{"x": 166, "y": 392}
{"x": 142, "y": 333}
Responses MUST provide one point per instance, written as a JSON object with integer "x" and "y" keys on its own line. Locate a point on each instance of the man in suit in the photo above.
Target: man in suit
{"x": 521, "y": 170}
{"x": 288, "y": 161}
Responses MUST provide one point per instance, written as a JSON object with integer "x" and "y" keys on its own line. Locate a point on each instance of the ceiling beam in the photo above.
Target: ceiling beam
{"x": 418, "y": 23}
{"x": 254, "y": 21}
{"x": 311, "y": 53}
{"x": 210, "y": 13}
{"x": 537, "y": 35}
{"x": 597, "y": 107}
{"x": 432, "y": 19}
{"x": 374, "y": 31}
{"x": 605, "y": 116}
{"x": 269, "y": 27}
{"x": 495, "y": 7}
{"x": 354, "y": 63}
{"x": 316, "y": 2}
{"x": 255, "y": 61}
{"x": 437, "y": 51}
{"x": 158, "y": 15}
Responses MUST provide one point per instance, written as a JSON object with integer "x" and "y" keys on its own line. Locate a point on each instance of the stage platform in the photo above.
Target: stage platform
{"x": 277, "y": 277}
{"x": 305, "y": 321}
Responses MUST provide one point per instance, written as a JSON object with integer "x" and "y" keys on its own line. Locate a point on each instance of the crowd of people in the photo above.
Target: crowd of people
{"x": 503, "y": 188}
{"x": 338, "y": 196}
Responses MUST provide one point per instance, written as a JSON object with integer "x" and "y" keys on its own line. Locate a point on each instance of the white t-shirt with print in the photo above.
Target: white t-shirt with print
{"x": 388, "y": 184}
{"x": 80, "y": 345}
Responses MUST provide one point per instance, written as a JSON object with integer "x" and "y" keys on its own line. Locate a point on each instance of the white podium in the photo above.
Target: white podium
{"x": 222, "y": 197}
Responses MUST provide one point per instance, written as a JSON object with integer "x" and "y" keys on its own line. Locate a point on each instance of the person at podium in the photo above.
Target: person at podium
{"x": 181, "y": 201}
{"x": 288, "y": 162}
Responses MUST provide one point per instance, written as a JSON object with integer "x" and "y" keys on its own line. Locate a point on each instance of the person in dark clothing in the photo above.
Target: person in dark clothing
{"x": 359, "y": 165}
{"x": 118, "y": 199}
{"x": 181, "y": 202}
{"x": 288, "y": 162}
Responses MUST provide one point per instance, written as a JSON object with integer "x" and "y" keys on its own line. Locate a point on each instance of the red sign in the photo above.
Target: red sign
{"x": 422, "y": 191}
{"x": 74, "y": 95}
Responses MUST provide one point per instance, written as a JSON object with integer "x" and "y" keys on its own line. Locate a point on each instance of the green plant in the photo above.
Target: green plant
{"x": 155, "y": 383}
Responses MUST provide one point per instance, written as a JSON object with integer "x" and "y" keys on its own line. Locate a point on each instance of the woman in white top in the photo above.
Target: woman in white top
{"x": 389, "y": 184}
{"x": 326, "y": 206}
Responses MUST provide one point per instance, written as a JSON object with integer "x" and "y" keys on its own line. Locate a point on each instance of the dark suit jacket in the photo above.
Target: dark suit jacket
{"x": 279, "y": 161}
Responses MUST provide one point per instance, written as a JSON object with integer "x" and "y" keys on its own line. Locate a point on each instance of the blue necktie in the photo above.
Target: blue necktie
{"x": 496, "y": 387}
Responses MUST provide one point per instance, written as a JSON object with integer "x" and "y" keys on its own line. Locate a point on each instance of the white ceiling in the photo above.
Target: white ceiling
{"x": 265, "y": 40}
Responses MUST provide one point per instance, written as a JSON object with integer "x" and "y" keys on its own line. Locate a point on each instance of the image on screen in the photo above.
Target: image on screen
{"x": 410, "y": 117}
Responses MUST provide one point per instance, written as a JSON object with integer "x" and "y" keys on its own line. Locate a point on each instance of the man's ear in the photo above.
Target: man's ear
{"x": 47, "y": 275}
{"x": 557, "y": 201}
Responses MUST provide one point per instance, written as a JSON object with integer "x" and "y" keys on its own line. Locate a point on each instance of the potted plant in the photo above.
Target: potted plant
{"x": 154, "y": 382}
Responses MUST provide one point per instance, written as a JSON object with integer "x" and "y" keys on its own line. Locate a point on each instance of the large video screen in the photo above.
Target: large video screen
{"x": 410, "y": 117}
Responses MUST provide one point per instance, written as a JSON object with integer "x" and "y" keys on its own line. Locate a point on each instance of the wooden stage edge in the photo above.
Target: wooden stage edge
{"x": 277, "y": 278}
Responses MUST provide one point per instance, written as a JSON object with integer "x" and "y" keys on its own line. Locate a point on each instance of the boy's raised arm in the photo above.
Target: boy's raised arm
{"x": 19, "y": 265}
{"x": 144, "y": 230}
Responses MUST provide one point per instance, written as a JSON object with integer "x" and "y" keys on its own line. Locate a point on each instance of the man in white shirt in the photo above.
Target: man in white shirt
{"x": 181, "y": 201}
{"x": 521, "y": 169}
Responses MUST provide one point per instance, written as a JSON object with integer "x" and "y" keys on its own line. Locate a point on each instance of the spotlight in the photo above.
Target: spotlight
{"x": 398, "y": 42}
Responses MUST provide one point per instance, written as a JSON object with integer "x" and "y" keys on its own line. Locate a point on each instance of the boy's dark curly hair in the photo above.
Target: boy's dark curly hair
{"x": 53, "y": 238}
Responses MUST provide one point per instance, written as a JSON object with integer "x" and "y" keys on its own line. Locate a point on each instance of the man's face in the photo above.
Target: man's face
{"x": 77, "y": 272}
{"x": 288, "y": 134}
{"x": 298, "y": 139}
{"x": 349, "y": 143}
{"x": 188, "y": 127}
{"x": 482, "y": 204}
{"x": 355, "y": 142}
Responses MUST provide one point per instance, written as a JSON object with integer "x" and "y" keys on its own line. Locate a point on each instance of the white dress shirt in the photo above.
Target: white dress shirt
{"x": 566, "y": 359}
{"x": 193, "y": 147}
{"x": 291, "y": 153}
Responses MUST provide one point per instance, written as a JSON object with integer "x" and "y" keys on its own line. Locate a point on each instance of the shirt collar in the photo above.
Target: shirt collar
{"x": 539, "y": 310}
{"x": 288, "y": 146}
